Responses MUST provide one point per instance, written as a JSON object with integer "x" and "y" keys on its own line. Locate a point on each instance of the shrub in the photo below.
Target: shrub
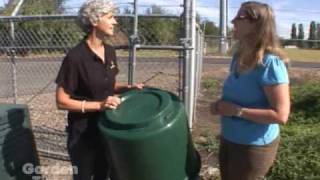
{"x": 299, "y": 154}
{"x": 305, "y": 100}
{"x": 299, "y": 151}
{"x": 211, "y": 86}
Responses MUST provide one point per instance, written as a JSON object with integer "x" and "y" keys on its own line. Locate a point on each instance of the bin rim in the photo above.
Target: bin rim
{"x": 111, "y": 118}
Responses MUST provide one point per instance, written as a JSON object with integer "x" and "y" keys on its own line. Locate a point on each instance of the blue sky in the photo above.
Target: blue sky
{"x": 287, "y": 11}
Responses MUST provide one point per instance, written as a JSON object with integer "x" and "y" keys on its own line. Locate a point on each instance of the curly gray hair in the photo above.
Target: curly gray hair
{"x": 91, "y": 11}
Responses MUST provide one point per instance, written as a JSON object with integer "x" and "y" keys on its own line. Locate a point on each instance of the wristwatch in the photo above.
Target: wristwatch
{"x": 239, "y": 112}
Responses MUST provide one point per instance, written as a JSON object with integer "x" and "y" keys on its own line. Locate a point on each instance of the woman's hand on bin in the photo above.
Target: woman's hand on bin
{"x": 111, "y": 102}
{"x": 137, "y": 86}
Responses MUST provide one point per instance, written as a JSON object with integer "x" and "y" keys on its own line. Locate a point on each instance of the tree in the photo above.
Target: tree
{"x": 210, "y": 28}
{"x": 293, "y": 31}
{"x": 293, "y": 35}
{"x": 301, "y": 36}
{"x": 127, "y": 10}
{"x": 301, "y": 32}
{"x": 159, "y": 30}
{"x": 125, "y": 23}
{"x": 155, "y": 9}
{"x": 318, "y": 34}
{"x": 54, "y": 34}
{"x": 36, "y": 7}
{"x": 312, "y": 34}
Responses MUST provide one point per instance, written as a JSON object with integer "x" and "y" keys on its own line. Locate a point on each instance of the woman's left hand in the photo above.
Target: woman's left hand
{"x": 138, "y": 86}
{"x": 225, "y": 108}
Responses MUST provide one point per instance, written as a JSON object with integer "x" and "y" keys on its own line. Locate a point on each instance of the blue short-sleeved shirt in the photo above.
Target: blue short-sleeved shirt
{"x": 246, "y": 90}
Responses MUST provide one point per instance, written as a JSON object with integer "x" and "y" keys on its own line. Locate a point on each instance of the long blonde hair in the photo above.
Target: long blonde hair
{"x": 265, "y": 40}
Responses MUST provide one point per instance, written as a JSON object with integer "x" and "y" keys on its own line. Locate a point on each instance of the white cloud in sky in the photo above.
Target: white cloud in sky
{"x": 211, "y": 14}
{"x": 161, "y": 2}
{"x": 285, "y": 15}
{"x": 279, "y": 4}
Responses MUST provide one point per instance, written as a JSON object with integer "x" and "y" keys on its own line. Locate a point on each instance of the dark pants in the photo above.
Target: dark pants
{"x": 88, "y": 156}
{"x": 246, "y": 162}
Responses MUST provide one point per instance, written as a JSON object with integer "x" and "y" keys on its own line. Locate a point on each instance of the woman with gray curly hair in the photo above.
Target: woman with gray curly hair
{"x": 86, "y": 84}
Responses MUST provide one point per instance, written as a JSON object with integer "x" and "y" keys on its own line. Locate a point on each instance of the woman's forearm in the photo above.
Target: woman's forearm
{"x": 264, "y": 116}
{"x": 65, "y": 102}
{"x": 118, "y": 88}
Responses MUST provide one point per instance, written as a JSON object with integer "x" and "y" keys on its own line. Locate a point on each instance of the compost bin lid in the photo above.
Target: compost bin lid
{"x": 138, "y": 109}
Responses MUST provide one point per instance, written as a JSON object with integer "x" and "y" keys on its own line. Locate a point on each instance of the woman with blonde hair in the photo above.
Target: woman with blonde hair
{"x": 255, "y": 98}
{"x": 86, "y": 85}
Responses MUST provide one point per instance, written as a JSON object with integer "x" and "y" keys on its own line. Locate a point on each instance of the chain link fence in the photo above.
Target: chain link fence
{"x": 212, "y": 43}
{"x": 33, "y": 47}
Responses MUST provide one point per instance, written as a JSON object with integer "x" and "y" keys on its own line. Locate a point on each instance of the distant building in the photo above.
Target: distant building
{"x": 290, "y": 47}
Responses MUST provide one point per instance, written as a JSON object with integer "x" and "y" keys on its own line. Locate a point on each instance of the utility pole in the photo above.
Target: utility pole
{"x": 223, "y": 46}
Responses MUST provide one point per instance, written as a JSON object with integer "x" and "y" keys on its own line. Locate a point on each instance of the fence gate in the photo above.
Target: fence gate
{"x": 33, "y": 47}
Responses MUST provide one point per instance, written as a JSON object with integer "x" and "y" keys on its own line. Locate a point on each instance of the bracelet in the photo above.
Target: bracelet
{"x": 239, "y": 112}
{"x": 82, "y": 106}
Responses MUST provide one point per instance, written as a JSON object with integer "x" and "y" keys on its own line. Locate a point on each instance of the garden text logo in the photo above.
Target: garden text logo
{"x": 37, "y": 171}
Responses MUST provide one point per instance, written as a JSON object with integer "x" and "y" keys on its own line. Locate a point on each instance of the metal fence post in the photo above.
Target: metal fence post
{"x": 186, "y": 44}
{"x": 133, "y": 46}
{"x": 13, "y": 53}
{"x": 223, "y": 46}
{"x": 13, "y": 63}
{"x": 190, "y": 33}
{"x": 202, "y": 45}
{"x": 198, "y": 63}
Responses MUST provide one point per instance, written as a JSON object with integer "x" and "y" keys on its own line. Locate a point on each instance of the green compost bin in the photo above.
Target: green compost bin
{"x": 18, "y": 157}
{"x": 148, "y": 137}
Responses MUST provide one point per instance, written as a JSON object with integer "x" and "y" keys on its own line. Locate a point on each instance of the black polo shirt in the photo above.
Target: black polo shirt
{"x": 84, "y": 76}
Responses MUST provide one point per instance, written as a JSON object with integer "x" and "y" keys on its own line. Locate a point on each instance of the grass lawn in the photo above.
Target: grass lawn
{"x": 304, "y": 55}
{"x": 301, "y": 55}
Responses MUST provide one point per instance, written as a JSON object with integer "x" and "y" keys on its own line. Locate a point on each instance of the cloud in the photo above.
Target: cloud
{"x": 161, "y": 2}
{"x": 287, "y": 12}
{"x": 276, "y": 4}
{"x": 285, "y": 19}
{"x": 209, "y": 13}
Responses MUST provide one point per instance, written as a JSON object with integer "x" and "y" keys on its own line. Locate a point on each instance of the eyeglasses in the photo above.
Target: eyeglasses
{"x": 241, "y": 17}
{"x": 249, "y": 14}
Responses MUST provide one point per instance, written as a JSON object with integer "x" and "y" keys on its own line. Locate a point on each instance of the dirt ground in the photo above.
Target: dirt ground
{"x": 206, "y": 129}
